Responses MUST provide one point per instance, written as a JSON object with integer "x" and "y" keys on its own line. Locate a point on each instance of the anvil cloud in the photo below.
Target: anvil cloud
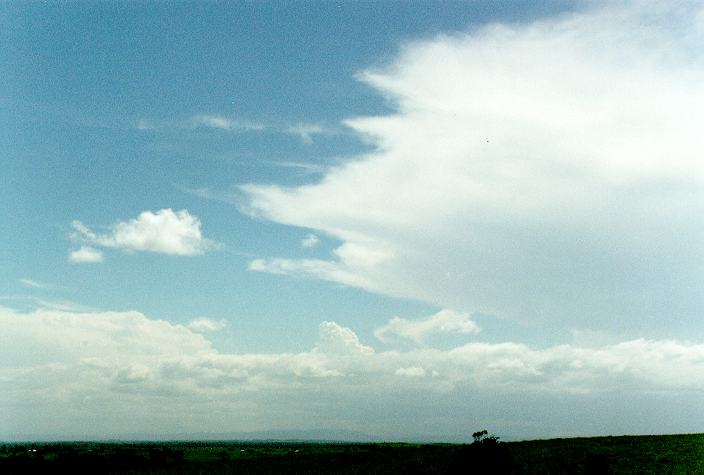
{"x": 548, "y": 171}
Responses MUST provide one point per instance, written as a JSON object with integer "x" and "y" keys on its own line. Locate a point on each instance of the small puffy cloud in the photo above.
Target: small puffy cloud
{"x": 206, "y": 325}
{"x": 224, "y": 123}
{"x": 311, "y": 240}
{"x": 86, "y": 254}
{"x": 444, "y": 322}
{"x": 165, "y": 231}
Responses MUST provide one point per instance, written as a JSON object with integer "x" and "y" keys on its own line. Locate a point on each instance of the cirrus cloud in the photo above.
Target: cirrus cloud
{"x": 224, "y": 123}
{"x": 34, "y": 284}
{"x": 306, "y": 132}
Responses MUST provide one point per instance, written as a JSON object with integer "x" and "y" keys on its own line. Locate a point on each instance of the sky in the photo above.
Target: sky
{"x": 402, "y": 219}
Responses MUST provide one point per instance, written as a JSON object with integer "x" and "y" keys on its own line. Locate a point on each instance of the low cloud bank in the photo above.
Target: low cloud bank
{"x": 128, "y": 373}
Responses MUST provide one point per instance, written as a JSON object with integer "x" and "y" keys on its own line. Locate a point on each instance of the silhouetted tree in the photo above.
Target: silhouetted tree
{"x": 482, "y": 437}
{"x": 484, "y": 454}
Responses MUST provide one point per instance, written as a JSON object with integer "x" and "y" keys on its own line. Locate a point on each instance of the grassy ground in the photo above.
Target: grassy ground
{"x": 628, "y": 454}
{"x": 680, "y": 454}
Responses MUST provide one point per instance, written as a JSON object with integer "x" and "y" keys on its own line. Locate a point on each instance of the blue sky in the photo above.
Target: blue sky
{"x": 246, "y": 209}
{"x": 80, "y": 80}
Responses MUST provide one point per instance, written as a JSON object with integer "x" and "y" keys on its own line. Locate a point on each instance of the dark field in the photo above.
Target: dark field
{"x": 627, "y": 454}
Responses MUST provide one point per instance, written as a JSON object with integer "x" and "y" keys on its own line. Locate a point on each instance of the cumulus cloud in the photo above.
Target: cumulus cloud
{"x": 206, "y": 325}
{"x": 541, "y": 171}
{"x": 165, "y": 231}
{"x": 59, "y": 369}
{"x": 335, "y": 339}
{"x": 86, "y": 254}
{"x": 444, "y": 322}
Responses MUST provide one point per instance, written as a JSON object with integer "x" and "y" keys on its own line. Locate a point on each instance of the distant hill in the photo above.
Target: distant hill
{"x": 322, "y": 435}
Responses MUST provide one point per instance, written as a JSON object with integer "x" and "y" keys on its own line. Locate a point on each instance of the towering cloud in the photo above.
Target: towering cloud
{"x": 548, "y": 171}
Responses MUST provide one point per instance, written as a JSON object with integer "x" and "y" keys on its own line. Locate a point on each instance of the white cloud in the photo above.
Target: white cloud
{"x": 144, "y": 124}
{"x": 444, "y": 322}
{"x": 306, "y": 132}
{"x": 165, "y": 232}
{"x": 33, "y": 283}
{"x": 210, "y": 121}
{"x": 211, "y": 194}
{"x": 30, "y": 302}
{"x": 206, "y": 325}
{"x": 411, "y": 372}
{"x": 335, "y": 339}
{"x": 224, "y": 123}
{"x": 60, "y": 369}
{"x": 545, "y": 171}
{"x": 304, "y": 167}
{"x": 86, "y": 254}
{"x": 311, "y": 240}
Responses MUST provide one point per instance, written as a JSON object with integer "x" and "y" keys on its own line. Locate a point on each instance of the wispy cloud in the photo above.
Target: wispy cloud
{"x": 164, "y": 231}
{"x": 32, "y": 302}
{"x": 311, "y": 240}
{"x": 417, "y": 331}
{"x": 206, "y": 325}
{"x": 145, "y": 124}
{"x": 225, "y": 123}
{"x": 226, "y": 196}
{"x": 307, "y": 132}
{"x": 307, "y": 167}
{"x": 35, "y": 284}
{"x": 210, "y": 121}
